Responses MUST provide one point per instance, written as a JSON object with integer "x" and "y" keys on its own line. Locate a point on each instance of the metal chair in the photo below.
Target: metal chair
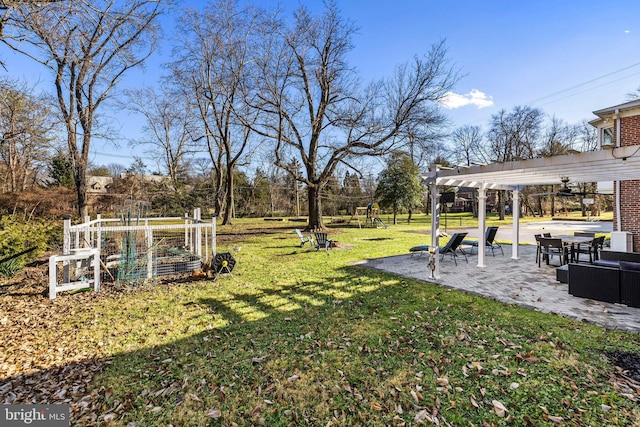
{"x": 490, "y": 235}
{"x": 592, "y": 249}
{"x": 550, "y": 247}
{"x": 538, "y": 251}
{"x": 453, "y": 246}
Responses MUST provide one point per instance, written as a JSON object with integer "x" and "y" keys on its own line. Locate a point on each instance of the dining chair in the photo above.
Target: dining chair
{"x": 591, "y": 248}
{"x": 538, "y": 237}
{"x": 550, "y": 247}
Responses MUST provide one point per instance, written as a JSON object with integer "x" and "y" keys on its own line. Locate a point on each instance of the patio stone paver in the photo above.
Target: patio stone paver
{"x": 512, "y": 281}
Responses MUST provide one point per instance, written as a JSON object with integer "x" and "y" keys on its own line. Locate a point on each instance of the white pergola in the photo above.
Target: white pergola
{"x": 605, "y": 165}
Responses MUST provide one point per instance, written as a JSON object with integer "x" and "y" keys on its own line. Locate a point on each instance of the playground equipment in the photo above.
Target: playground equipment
{"x": 371, "y": 216}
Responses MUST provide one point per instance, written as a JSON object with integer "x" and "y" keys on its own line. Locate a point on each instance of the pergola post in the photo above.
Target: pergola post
{"x": 435, "y": 228}
{"x": 482, "y": 220}
{"x": 516, "y": 224}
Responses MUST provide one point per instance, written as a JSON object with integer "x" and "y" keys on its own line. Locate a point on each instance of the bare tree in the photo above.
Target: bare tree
{"x": 514, "y": 136}
{"x": 168, "y": 123}
{"x": 467, "y": 145}
{"x": 215, "y": 55}
{"x": 316, "y": 109}
{"x": 587, "y": 136}
{"x": 558, "y": 138}
{"x": 88, "y": 46}
{"x": 26, "y": 123}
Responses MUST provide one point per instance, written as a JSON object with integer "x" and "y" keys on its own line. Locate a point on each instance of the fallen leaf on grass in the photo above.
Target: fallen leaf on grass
{"x": 109, "y": 417}
{"x": 214, "y": 413}
{"x": 421, "y": 416}
{"x": 499, "y": 408}
{"x": 474, "y": 403}
{"x": 442, "y": 382}
{"x": 293, "y": 378}
{"x": 376, "y": 406}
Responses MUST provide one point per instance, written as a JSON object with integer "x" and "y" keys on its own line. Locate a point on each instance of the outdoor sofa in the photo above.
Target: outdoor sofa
{"x": 614, "y": 278}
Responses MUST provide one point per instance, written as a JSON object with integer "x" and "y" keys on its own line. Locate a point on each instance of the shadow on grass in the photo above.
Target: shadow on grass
{"x": 267, "y": 314}
{"x": 352, "y": 347}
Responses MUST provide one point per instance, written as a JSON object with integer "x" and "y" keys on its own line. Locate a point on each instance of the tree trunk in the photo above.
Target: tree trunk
{"x": 228, "y": 213}
{"x": 81, "y": 190}
{"x": 315, "y": 209}
{"x": 409, "y": 217}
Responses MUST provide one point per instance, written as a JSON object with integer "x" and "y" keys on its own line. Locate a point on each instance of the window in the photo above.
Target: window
{"x": 607, "y": 137}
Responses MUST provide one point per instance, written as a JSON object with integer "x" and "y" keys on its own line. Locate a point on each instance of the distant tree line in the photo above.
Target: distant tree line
{"x": 258, "y": 113}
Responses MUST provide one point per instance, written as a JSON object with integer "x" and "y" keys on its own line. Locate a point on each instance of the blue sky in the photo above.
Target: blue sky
{"x": 512, "y": 53}
{"x": 568, "y": 58}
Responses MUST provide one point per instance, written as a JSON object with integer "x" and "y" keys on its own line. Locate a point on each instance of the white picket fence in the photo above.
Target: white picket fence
{"x": 129, "y": 250}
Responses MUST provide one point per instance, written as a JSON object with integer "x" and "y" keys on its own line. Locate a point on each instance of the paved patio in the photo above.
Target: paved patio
{"x": 512, "y": 281}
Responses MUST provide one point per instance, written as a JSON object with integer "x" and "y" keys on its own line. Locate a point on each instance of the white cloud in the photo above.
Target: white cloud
{"x": 453, "y": 100}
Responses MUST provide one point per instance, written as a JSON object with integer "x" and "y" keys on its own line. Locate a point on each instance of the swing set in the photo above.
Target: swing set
{"x": 370, "y": 214}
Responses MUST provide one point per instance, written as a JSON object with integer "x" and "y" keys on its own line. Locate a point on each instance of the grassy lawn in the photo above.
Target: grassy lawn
{"x": 301, "y": 337}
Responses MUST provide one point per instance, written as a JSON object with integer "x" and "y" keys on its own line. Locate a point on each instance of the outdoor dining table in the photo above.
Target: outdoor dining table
{"x": 572, "y": 241}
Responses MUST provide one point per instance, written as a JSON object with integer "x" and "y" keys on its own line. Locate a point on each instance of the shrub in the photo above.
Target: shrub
{"x": 18, "y": 234}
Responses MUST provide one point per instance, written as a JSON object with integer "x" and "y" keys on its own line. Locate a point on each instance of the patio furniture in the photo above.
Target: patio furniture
{"x": 562, "y": 273}
{"x": 490, "y": 235}
{"x": 451, "y": 248}
{"x": 323, "y": 241}
{"x": 630, "y": 283}
{"x": 304, "y": 239}
{"x": 571, "y": 242}
{"x": 550, "y": 247}
{"x": 591, "y": 248}
{"x": 538, "y": 251}
{"x": 615, "y": 277}
{"x": 595, "y": 282}
{"x": 613, "y": 258}
{"x": 420, "y": 249}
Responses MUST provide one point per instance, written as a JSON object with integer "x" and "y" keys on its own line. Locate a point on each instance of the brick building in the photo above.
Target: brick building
{"x": 619, "y": 126}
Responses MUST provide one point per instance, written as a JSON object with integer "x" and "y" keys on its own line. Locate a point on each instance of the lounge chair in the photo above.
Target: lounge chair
{"x": 322, "y": 241}
{"x": 489, "y": 235}
{"x": 304, "y": 239}
{"x": 451, "y": 248}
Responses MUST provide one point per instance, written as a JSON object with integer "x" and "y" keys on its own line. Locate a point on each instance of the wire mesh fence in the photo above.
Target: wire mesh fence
{"x": 133, "y": 249}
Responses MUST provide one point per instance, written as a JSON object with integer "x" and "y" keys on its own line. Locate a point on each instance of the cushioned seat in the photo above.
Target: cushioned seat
{"x": 607, "y": 263}
{"x": 421, "y": 248}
